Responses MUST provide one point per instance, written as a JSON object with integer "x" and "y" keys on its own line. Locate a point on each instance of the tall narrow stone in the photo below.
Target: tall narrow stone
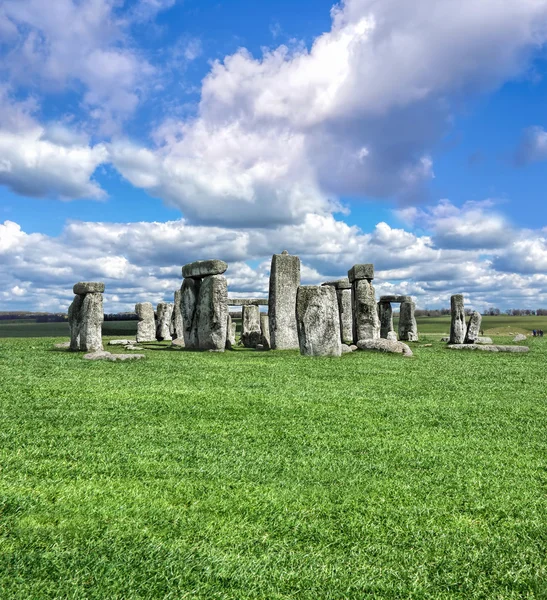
{"x": 190, "y": 295}
{"x": 177, "y": 321}
{"x": 92, "y": 317}
{"x": 343, "y": 294}
{"x": 75, "y": 322}
{"x": 265, "y": 331}
{"x": 473, "y": 328}
{"x": 163, "y": 326}
{"x": 457, "y": 324}
{"x": 318, "y": 321}
{"x": 250, "y": 326}
{"x": 408, "y": 328}
{"x": 385, "y": 312}
{"x": 366, "y": 324}
{"x": 212, "y": 313}
{"x": 146, "y": 327}
{"x": 230, "y": 333}
{"x": 284, "y": 282}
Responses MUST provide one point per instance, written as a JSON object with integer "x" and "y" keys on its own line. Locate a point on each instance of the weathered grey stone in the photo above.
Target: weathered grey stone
{"x": 251, "y": 334}
{"x": 339, "y": 284}
{"x": 121, "y": 342}
{"x": 482, "y": 340}
{"x": 189, "y": 303}
{"x": 146, "y": 327}
{"x": 247, "y": 301}
{"x": 92, "y": 317}
{"x": 75, "y": 322}
{"x": 164, "y": 311}
{"x": 179, "y": 342}
{"x": 230, "y": 333}
{"x": 488, "y": 348}
{"x": 284, "y": 282}
{"x": 457, "y": 324}
{"x": 346, "y": 349}
{"x": 133, "y": 347}
{"x": 265, "y": 331}
{"x": 88, "y": 287}
{"x": 396, "y": 299}
{"x": 353, "y": 347}
{"x": 392, "y": 336}
{"x": 408, "y": 328}
{"x": 318, "y": 321}
{"x": 366, "y": 324}
{"x": 204, "y": 268}
{"x": 519, "y": 338}
{"x": 102, "y": 355}
{"x": 358, "y": 272}
{"x": 62, "y": 345}
{"x": 473, "y": 328}
{"x": 177, "y": 320}
{"x": 385, "y": 314}
{"x": 212, "y": 313}
{"x": 345, "y": 310}
{"x": 381, "y": 345}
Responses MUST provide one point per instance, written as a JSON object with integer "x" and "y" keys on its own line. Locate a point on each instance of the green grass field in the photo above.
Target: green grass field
{"x": 269, "y": 475}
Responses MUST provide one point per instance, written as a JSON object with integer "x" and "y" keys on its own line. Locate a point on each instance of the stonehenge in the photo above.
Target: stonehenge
{"x": 146, "y": 327}
{"x": 318, "y": 321}
{"x": 204, "y": 305}
{"x": 164, "y": 312}
{"x": 284, "y": 282}
{"x": 85, "y": 317}
{"x": 230, "y": 333}
{"x": 408, "y": 328}
{"x": 176, "y": 320}
{"x": 457, "y": 320}
{"x": 343, "y": 295}
{"x": 473, "y": 328}
{"x": 251, "y": 334}
{"x": 265, "y": 331}
{"x": 366, "y": 323}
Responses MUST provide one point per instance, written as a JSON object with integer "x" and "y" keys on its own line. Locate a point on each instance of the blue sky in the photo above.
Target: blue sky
{"x": 137, "y": 136}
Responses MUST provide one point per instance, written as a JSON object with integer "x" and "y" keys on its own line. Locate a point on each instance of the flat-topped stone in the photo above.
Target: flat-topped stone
{"x": 88, "y": 287}
{"x": 339, "y": 284}
{"x": 396, "y": 299}
{"x": 364, "y": 271}
{"x": 247, "y": 301}
{"x": 121, "y": 342}
{"x": 488, "y": 347}
{"x": 204, "y": 268}
{"x": 382, "y": 345}
{"x": 103, "y": 355}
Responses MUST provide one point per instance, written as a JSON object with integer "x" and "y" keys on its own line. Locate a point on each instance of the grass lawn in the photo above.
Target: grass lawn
{"x": 269, "y": 475}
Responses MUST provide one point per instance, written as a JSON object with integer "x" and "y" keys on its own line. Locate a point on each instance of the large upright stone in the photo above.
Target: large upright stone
{"x": 212, "y": 313}
{"x": 92, "y": 317}
{"x": 265, "y": 331}
{"x": 343, "y": 294}
{"x": 190, "y": 295}
{"x": 284, "y": 282}
{"x": 230, "y": 333}
{"x": 75, "y": 322}
{"x": 163, "y": 325}
{"x": 318, "y": 321}
{"x": 177, "y": 321}
{"x": 250, "y": 326}
{"x": 408, "y": 328}
{"x": 366, "y": 324}
{"x": 204, "y": 268}
{"x": 385, "y": 313}
{"x": 457, "y": 324}
{"x": 88, "y": 287}
{"x": 146, "y": 327}
{"x": 473, "y": 328}
{"x": 358, "y": 272}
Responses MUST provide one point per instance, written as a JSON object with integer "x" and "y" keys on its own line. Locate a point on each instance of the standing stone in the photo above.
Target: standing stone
{"x": 92, "y": 317}
{"x": 366, "y": 324}
{"x": 385, "y": 313}
{"x": 230, "y": 333}
{"x": 146, "y": 327}
{"x": 190, "y": 295}
{"x": 265, "y": 331}
{"x": 343, "y": 294}
{"x": 212, "y": 313}
{"x": 75, "y": 322}
{"x": 318, "y": 321}
{"x": 284, "y": 282}
{"x": 250, "y": 326}
{"x": 408, "y": 328}
{"x": 177, "y": 321}
{"x": 164, "y": 312}
{"x": 457, "y": 324}
{"x": 473, "y": 328}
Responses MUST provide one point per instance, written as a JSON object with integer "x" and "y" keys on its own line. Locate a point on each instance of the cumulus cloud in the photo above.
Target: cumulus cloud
{"x": 532, "y": 146}
{"x": 356, "y": 114}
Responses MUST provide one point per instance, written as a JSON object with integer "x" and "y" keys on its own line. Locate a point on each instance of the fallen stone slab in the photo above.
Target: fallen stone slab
{"x": 63, "y": 345}
{"x": 364, "y": 271}
{"x": 132, "y": 347}
{"x": 204, "y": 268}
{"x": 488, "y": 348}
{"x": 381, "y": 345}
{"x": 482, "y": 340}
{"x": 88, "y": 287}
{"x": 103, "y": 355}
{"x": 519, "y": 338}
{"x": 121, "y": 342}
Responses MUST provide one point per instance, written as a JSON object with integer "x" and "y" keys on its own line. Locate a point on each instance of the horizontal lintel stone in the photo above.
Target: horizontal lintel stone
{"x": 363, "y": 271}
{"x": 204, "y": 268}
{"x": 247, "y": 301}
{"x": 88, "y": 287}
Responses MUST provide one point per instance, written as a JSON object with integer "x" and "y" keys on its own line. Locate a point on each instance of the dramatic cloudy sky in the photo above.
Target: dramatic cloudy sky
{"x": 139, "y": 135}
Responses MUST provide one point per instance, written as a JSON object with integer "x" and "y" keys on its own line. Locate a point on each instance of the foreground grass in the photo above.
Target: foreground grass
{"x": 269, "y": 475}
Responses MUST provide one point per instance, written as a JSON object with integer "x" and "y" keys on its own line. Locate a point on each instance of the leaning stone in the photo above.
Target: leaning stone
{"x": 385, "y": 314}
{"x": 473, "y": 328}
{"x": 408, "y": 328}
{"x": 88, "y": 287}
{"x": 381, "y": 345}
{"x": 164, "y": 311}
{"x": 488, "y": 348}
{"x": 120, "y": 342}
{"x": 457, "y": 324}
{"x": 75, "y": 322}
{"x": 366, "y": 324}
{"x": 146, "y": 327}
{"x": 392, "y": 336}
{"x": 189, "y": 303}
{"x": 519, "y": 338}
{"x": 204, "y": 268}
{"x": 212, "y": 313}
{"x": 318, "y": 321}
{"x": 251, "y": 334}
{"x": 482, "y": 340}
{"x": 284, "y": 282}
{"x": 265, "y": 331}
{"x": 92, "y": 316}
{"x": 364, "y": 271}
{"x": 62, "y": 345}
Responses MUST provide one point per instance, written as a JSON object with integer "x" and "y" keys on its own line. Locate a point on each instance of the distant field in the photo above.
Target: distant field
{"x": 15, "y": 329}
